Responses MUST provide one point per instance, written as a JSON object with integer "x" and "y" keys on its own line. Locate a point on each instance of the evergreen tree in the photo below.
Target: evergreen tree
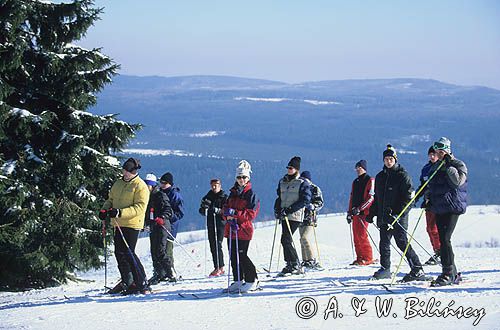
{"x": 55, "y": 163}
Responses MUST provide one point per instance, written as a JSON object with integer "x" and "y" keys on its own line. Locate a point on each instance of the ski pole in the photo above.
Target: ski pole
{"x": 406, "y": 248}
{"x": 132, "y": 255}
{"x": 392, "y": 245}
{"x": 291, "y": 237}
{"x": 237, "y": 258}
{"x": 174, "y": 240}
{"x": 315, "y": 238}
{"x": 406, "y": 231}
{"x": 230, "y": 256}
{"x": 216, "y": 243}
{"x": 416, "y": 194}
{"x": 105, "y": 255}
{"x": 352, "y": 243}
{"x": 206, "y": 238}
{"x": 272, "y": 247}
{"x": 279, "y": 258}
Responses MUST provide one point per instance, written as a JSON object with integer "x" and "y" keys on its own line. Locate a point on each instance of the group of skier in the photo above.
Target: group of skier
{"x": 133, "y": 202}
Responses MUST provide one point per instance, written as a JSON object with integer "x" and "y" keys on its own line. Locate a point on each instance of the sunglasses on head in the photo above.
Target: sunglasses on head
{"x": 241, "y": 177}
{"x": 439, "y": 146}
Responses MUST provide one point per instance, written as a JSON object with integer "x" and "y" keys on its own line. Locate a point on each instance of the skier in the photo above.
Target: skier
{"x": 360, "y": 200}
{"x": 211, "y": 207}
{"x": 393, "y": 191}
{"x": 430, "y": 217}
{"x": 307, "y": 227}
{"x": 294, "y": 194}
{"x": 151, "y": 183}
{"x": 160, "y": 226}
{"x": 126, "y": 206}
{"x": 177, "y": 204}
{"x": 240, "y": 209}
{"x": 448, "y": 199}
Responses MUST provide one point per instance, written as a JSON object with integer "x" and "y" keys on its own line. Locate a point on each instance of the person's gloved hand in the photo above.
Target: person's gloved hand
{"x": 355, "y": 211}
{"x": 447, "y": 160}
{"x": 369, "y": 219}
{"x": 233, "y": 223}
{"x": 160, "y": 221}
{"x": 103, "y": 214}
{"x": 217, "y": 210}
{"x": 285, "y": 211}
{"x": 349, "y": 218}
{"x": 114, "y": 213}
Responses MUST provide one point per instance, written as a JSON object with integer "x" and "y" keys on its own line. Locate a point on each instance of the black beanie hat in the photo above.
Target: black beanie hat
{"x": 390, "y": 151}
{"x": 306, "y": 175}
{"x": 295, "y": 163}
{"x": 362, "y": 163}
{"x": 431, "y": 150}
{"x": 167, "y": 177}
{"x": 132, "y": 165}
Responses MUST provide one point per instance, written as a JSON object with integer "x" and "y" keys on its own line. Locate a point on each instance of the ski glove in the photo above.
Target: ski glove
{"x": 285, "y": 211}
{"x": 103, "y": 214}
{"x": 229, "y": 212}
{"x": 160, "y": 221}
{"x": 447, "y": 160}
{"x": 114, "y": 213}
{"x": 233, "y": 224}
{"x": 369, "y": 219}
{"x": 355, "y": 211}
{"x": 217, "y": 210}
{"x": 349, "y": 218}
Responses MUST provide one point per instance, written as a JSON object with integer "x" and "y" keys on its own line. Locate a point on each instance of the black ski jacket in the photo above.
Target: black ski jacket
{"x": 393, "y": 190}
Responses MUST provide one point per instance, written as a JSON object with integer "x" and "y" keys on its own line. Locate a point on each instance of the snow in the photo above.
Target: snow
{"x": 158, "y": 152}
{"x": 8, "y": 167}
{"x": 277, "y": 99}
{"x": 83, "y": 193}
{"x": 82, "y": 306}
{"x": 47, "y": 203}
{"x": 207, "y": 134}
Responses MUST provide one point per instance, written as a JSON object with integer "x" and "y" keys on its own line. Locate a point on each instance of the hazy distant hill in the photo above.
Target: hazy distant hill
{"x": 213, "y": 121}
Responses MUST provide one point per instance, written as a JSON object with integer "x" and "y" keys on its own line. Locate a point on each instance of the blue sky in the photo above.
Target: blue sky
{"x": 294, "y": 41}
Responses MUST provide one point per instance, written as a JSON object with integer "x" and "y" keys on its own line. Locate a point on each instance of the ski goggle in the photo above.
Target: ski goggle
{"x": 440, "y": 146}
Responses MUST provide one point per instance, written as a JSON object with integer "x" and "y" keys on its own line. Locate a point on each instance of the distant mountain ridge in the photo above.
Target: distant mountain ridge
{"x": 198, "y": 127}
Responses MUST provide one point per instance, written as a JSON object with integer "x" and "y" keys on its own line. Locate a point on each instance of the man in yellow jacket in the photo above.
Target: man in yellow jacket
{"x": 125, "y": 207}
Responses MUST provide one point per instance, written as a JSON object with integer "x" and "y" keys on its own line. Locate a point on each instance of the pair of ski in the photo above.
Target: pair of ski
{"x": 214, "y": 294}
{"x": 389, "y": 287}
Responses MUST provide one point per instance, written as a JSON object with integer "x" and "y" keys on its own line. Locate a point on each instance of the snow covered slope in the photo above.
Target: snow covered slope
{"x": 341, "y": 288}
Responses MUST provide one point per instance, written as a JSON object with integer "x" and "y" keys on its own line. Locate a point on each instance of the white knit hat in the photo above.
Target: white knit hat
{"x": 244, "y": 169}
{"x": 150, "y": 179}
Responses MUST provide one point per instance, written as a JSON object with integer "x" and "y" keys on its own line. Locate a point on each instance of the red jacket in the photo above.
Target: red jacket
{"x": 247, "y": 207}
{"x": 366, "y": 184}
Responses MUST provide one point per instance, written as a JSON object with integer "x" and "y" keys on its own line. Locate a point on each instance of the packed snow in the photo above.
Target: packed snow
{"x": 339, "y": 297}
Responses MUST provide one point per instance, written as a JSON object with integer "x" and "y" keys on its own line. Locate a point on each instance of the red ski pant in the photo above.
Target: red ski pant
{"x": 432, "y": 230}
{"x": 360, "y": 236}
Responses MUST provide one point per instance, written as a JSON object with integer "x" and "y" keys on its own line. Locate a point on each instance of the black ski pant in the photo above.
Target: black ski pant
{"x": 128, "y": 261}
{"x": 289, "y": 252}
{"x": 215, "y": 237}
{"x": 248, "y": 272}
{"x": 446, "y": 224}
{"x": 158, "y": 238}
{"x": 401, "y": 241}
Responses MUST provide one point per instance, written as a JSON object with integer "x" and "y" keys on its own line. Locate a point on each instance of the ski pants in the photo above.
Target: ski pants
{"x": 432, "y": 230}
{"x": 215, "y": 237}
{"x": 306, "y": 242}
{"x": 289, "y": 251}
{"x": 401, "y": 241}
{"x": 446, "y": 224}
{"x": 161, "y": 261}
{"x": 360, "y": 237}
{"x": 128, "y": 261}
{"x": 248, "y": 273}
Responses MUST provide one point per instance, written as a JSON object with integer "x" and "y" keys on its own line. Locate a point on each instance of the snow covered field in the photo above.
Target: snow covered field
{"x": 476, "y": 241}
